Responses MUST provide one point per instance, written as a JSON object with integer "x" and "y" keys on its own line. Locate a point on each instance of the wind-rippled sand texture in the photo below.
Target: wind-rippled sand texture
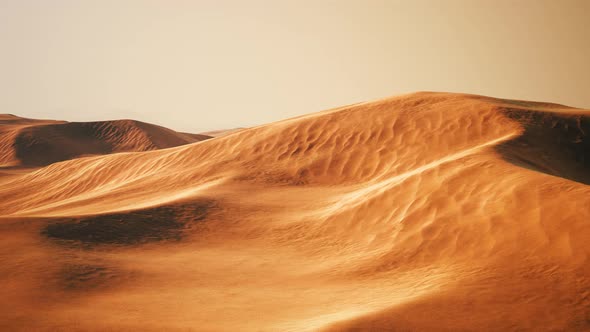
{"x": 428, "y": 211}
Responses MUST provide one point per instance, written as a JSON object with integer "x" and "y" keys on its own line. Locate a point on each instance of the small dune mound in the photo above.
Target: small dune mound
{"x": 10, "y": 128}
{"x": 13, "y": 119}
{"x": 33, "y": 143}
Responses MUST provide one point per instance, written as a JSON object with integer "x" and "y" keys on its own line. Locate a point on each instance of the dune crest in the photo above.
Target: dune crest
{"x": 426, "y": 211}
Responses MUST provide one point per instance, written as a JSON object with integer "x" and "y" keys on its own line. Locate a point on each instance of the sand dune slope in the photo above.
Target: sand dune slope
{"x": 10, "y": 128}
{"x": 31, "y": 143}
{"x": 428, "y": 211}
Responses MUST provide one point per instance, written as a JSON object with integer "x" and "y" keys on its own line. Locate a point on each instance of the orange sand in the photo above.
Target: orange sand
{"x": 427, "y": 211}
{"x": 30, "y": 143}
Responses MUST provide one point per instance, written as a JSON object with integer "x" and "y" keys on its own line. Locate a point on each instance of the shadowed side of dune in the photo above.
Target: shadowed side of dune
{"x": 41, "y": 145}
{"x": 10, "y": 127}
{"x": 555, "y": 143}
{"x": 134, "y": 227}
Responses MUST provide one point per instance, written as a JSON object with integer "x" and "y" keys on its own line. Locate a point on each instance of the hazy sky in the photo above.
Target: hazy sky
{"x": 201, "y": 65}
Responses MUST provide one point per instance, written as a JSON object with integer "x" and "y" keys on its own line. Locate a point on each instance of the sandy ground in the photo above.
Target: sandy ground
{"x": 428, "y": 211}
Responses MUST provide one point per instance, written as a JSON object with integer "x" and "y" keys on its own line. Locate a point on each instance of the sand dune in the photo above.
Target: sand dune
{"x": 221, "y": 132}
{"x": 33, "y": 143}
{"x": 427, "y": 211}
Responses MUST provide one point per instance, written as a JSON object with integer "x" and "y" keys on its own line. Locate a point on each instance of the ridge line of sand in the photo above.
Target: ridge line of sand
{"x": 354, "y": 198}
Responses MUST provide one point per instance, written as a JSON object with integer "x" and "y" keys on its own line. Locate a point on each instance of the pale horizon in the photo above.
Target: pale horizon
{"x": 201, "y": 66}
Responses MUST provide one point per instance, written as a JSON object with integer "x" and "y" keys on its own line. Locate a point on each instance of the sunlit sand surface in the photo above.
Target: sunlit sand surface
{"x": 427, "y": 211}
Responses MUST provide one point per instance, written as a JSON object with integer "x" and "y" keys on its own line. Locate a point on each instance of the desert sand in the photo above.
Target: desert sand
{"x": 30, "y": 142}
{"x": 420, "y": 212}
{"x": 221, "y": 132}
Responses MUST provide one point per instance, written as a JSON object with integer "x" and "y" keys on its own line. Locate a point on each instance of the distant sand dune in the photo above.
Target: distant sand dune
{"x": 222, "y": 132}
{"x": 421, "y": 212}
{"x": 31, "y": 143}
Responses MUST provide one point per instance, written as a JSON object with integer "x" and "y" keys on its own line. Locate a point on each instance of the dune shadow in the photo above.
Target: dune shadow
{"x": 552, "y": 143}
{"x": 86, "y": 276}
{"x": 44, "y": 144}
{"x": 165, "y": 223}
